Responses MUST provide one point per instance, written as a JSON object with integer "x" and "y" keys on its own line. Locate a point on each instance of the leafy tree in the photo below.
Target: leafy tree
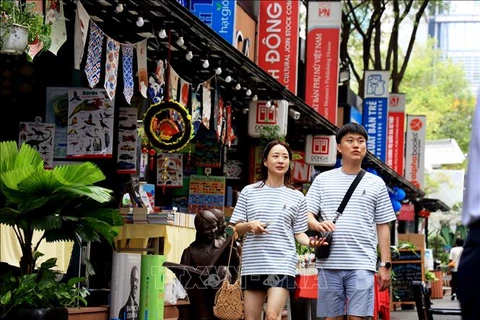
{"x": 437, "y": 88}
{"x": 366, "y": 25}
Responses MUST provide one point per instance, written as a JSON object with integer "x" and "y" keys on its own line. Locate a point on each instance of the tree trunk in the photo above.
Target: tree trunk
{"x": 27, "y": 263}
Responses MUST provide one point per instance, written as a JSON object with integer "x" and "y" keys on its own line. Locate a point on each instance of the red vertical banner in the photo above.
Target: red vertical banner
{"x": 396, "y": 132}
{"x": 322, "y": 56}
{"x": 278, "y": 33}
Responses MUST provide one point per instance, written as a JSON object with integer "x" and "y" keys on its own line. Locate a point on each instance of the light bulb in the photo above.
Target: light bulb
{"x": 189, "y": 55}
{"x": 180, "y": 41}
{"x": 238, "y": 86}
{"x": 268, "y": 104}
{"x": 206, "y": 64}
{"x": 245, "y": 110}
{"x": 228, "y": 79}
{"x": 254, "y": 98}
{"x": 162, "y": 34}
{"x": 140, "y": 22}
{"x": 248, "y": 93}
{"x": 218, "y": 71}
{"x": 119, "y": 7}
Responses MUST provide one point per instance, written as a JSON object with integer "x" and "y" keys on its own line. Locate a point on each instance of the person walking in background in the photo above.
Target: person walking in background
{"x": 272, "y": 215}
{"x": 468, "y": 287}
{"x": 346, "y": 277}
{"x": 454, "y": 259}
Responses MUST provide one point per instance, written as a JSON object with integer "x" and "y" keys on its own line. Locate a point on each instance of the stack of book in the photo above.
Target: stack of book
{"x": 161, "y": 218}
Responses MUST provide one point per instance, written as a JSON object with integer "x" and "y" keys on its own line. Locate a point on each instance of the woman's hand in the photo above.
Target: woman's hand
{"x": 325, "y": 226}
{"x": 257, "y": 227}
{"x": 317, "y": 242}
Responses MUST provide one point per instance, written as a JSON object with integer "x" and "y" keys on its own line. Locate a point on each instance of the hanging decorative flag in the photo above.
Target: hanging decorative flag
{"x": 142, "y": 67}
{"x": 59, "y": 29}
{"x": 80, "y": 38}
{"x": 53, "y": 11}
{"x": 173, "y": 84}
{"x": 206, "y": 104}
{"x": 37, "y": 46}
{"x": 111, "y": 67}
{"x": 230, "y": 133}
{"x": 94, "y": 57}
{"x": 160, "y": 72}
{"x": 196, "y": 109}
{"x": 127, "y": 64}
{"x": 184, "y": 92}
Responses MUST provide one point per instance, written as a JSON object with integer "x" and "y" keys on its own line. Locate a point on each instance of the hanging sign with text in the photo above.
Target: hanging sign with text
{"x": 375, "y": 111}
{"x": 415, "y": 150}
{"x": 322, "y": 55}
{"x": 218, "y": 15}
{"x": 396, "y": 132}
{"x": 278, "y": 34}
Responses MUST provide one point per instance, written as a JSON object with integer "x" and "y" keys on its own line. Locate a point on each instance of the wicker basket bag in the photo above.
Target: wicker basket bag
{"x": 228, "y": 304}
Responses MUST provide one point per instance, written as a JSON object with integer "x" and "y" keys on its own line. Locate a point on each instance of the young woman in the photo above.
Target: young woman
{"x": 272, "y": 215}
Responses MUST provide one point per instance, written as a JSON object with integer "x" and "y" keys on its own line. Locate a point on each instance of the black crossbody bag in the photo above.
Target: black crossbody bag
{"x": 323, "y": 251}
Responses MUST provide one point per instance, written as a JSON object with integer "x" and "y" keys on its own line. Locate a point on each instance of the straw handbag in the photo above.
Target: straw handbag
{"x": 228, "y": 304}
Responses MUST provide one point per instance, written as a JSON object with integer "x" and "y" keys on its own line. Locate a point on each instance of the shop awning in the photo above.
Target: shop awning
{"x": 204, "y": 42}
{"x": 433, "y": 205}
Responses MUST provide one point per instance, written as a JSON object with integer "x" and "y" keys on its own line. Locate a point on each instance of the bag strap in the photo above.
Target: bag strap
{"x": 347, "y": 196}
{"x": 230, "y": 257}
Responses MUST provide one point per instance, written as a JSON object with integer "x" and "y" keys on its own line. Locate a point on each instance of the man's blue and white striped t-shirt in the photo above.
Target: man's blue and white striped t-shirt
{"x": 355, "y": 237}
{"x": 286, "y": 211}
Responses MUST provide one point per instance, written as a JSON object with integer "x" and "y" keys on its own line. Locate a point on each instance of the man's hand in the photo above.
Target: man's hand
{"x": 325, "y": 226}
{"x": 384, "y": 278}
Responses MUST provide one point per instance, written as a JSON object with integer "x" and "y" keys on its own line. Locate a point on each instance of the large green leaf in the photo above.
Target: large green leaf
{"x": 79, "y": 174}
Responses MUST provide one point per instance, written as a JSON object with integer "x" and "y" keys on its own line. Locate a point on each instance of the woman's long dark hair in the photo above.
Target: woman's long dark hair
{"x": 287, "y": 179}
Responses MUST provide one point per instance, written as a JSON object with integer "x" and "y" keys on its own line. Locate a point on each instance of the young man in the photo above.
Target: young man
{"x": 455, "y": 254}
{"x": 346, "y": 277}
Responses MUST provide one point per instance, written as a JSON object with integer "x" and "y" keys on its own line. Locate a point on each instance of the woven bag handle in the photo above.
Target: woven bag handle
{"x": 230, "y": 256}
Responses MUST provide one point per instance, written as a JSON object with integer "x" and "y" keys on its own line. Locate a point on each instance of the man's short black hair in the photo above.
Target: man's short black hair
{"x": 352, "y": 128}
{"x": 459, "y": 242}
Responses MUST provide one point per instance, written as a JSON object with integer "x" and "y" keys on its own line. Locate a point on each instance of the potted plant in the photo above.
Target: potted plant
{"x": 21, "y": 26}
{"x": 64, "y": 204}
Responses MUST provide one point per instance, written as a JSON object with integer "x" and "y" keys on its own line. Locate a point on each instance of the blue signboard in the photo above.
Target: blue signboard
{"x": 375, "y": 116}
{"x": 217, "y": 14}
{"x": 355, "y": 115}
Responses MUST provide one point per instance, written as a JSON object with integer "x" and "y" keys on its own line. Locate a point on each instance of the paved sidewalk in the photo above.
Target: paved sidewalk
{"x": 446, "y": 302}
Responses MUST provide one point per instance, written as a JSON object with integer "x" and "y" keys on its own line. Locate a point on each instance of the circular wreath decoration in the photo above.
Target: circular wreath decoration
{"x": 164, "y": 130}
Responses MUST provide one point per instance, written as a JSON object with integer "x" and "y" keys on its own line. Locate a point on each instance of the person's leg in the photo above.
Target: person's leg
{"x": 276, "y": 299}
{"x": 253, "y": 303}
{"x": 468, "y": 278}
{"x": 360, "y": 291}
{"x": 453, "y": 285}
{"x": 331, "y": 295}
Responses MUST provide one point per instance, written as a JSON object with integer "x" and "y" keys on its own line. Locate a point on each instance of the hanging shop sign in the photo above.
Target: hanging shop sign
{"x": 166, "y": 132}
{"x": 262, "y": 115}
{"x": 375, "y": 111}
{"x": 396, "y": 132}
{"x": 322, "y": 56}
{"x": 415, "y": 150}
{"x": 320, "y": 150}
{"x": 218, "y": 15}
{"x": 127, "y": 140}
{"x": 245, "y": 33}
{"x": 278, "y": 34}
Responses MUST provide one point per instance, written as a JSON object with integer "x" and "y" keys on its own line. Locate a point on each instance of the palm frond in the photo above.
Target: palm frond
{"x": 96, "y": 193}
{"x": 85, "y": 173}
{"x": 8, "y": 153}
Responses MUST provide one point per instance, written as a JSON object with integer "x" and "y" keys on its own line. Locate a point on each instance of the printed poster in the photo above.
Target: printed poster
{"x": 206, "y": 192}
{"x": 40, "y": 137}
{"x": 127, "y": 141}
{"x": 90, "y": 124}
{"x": 57, "y": 112}
{"x": 170, "y": 170}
